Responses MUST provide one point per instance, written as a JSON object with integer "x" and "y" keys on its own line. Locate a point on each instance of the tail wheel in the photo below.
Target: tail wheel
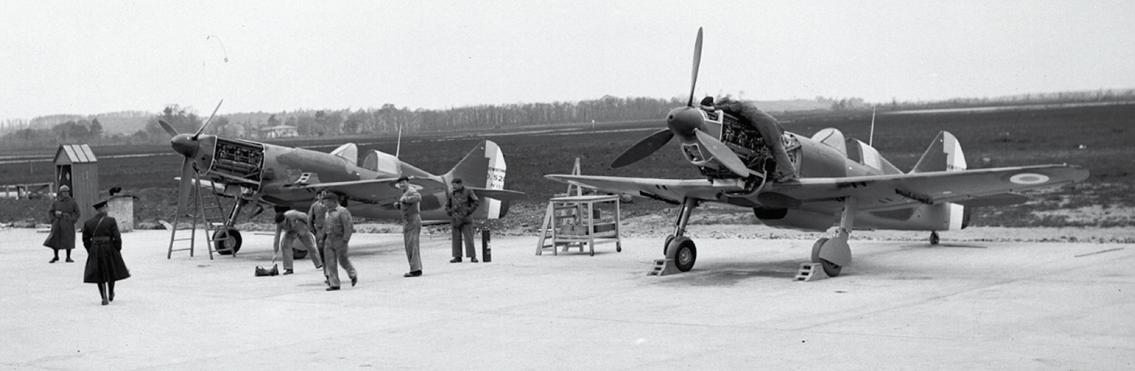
{"x": 933, "y": 238}
{"x": 831, "y": 269}
{"x": 686, "y": 254}
{"x": 227, "y": 242}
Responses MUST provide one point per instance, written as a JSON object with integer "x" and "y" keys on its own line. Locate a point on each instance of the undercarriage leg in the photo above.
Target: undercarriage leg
{"x": 681, "y": 253}
{"x": 834, "y": 253}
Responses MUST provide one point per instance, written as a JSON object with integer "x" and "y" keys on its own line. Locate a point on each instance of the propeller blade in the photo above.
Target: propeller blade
{"x": 187, "y": 177}
{"x": 168, "y": 128}
{"x": 722, "y": 153}
{"x": 697, "y": 64}
{"x": 643, "y": 148}
{"x": 206, "y": 124}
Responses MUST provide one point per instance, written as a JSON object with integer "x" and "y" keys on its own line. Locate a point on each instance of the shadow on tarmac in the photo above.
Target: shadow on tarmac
{"x": 730, "y": 274}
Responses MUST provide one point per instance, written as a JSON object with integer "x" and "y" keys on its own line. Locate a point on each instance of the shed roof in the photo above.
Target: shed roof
{"x": 74, "y": 154}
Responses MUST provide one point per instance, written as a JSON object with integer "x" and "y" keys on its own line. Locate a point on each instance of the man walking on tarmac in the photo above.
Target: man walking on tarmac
{"x": 337, "y": 227}
{"x": 411, "y": 224}
{"x": 317, "y": 214}
{"x": 460, "y": 207}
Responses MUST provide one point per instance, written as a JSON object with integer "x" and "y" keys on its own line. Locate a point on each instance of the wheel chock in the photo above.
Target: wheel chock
{"x": 811, "y": 272}
{"x": 663, "y": 267}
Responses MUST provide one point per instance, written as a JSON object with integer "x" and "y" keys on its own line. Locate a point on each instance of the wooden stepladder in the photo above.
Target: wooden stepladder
{"x": 209, "y": 214}
{"x": 574, "y": 220}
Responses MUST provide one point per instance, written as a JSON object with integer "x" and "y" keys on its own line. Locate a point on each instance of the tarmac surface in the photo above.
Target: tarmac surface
{"x": 900, "y": 305}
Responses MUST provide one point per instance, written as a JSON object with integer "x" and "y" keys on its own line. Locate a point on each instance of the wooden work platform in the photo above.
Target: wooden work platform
{"x": 577, "y": 222}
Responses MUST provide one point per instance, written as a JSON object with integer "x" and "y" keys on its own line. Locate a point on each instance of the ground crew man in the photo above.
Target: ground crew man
{"x": 317, "y": 213}
{"x": 293, "y": 225}
{"x": 411, "y": 224}
{"x": 337, "y": 226}
{"x": 460, "y": 207}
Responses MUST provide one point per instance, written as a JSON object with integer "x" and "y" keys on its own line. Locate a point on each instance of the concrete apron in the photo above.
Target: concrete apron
{"x": 898, "y": 305}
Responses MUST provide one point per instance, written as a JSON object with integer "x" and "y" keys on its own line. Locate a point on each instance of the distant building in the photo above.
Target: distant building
{"x": 281, "y": 131}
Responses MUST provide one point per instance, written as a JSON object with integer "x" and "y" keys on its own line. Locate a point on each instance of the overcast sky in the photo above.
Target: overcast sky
{"x": 87, "y": 57}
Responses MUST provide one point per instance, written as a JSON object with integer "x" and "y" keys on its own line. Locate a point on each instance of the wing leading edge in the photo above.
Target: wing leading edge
{"x": 883, "y": 191}
{"x": 871, "y": 192}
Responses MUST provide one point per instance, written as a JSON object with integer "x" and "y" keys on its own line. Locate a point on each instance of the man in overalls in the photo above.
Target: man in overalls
{"x": 338, "y": 228}
{"x": 293, "y": 225}
{"x": 460, "y": 207}
{"x": 411, "y": 224}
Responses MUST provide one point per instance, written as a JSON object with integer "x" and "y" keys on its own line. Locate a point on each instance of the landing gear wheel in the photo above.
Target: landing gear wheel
{"x": 686, "y": 254}
{"x": 666, "y": 244}
{"x": 299, "y": 253}
{"x": 227, "y": 242}
{"x": 933, "y": 238}
{"x": 831, "y": 269}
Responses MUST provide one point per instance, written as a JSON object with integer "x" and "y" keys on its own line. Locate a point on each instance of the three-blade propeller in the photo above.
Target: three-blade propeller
{"x": 187, "y": 145}
{"x": 687, "y": 123}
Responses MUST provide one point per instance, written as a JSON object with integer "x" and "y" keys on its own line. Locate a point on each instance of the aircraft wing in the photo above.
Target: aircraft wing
{"x": 978, "y": 186}
{"x": 669, "y": 190}
{"x": 379, "y": 190}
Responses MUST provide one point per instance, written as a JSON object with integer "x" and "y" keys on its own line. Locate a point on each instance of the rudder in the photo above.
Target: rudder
{"x": 483, "y": 167}
{"x": 944, "y": 154}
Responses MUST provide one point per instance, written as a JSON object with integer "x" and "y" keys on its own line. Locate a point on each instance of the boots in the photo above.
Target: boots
{"x": 102, "y": 293}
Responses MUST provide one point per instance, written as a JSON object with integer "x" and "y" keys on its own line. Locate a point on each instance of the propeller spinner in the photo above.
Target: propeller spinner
{"x": 187, "y": 145}
{"x": 688, "y": 124}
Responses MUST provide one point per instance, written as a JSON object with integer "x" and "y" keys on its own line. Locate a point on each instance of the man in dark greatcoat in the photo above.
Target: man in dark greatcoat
{"x": 64, "y": 213}
{"x": 104, "y": 253}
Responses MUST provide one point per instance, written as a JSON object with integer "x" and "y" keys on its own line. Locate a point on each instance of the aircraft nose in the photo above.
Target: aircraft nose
{"x": 683, "y": 121}
{"x": 184, "y": 144}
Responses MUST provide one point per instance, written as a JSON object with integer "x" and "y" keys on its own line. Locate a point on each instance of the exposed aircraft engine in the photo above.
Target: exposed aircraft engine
{"x": 238, "y": 160}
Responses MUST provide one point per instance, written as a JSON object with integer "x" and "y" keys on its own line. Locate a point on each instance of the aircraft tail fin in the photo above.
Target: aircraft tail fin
{"x": 483, "y": 168}
{"x": 944, "y": 154}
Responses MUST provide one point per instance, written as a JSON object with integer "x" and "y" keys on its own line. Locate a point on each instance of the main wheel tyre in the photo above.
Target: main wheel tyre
{"x": 831, "y": 269}
{"x": 686, "y": 254}
{"x": 933, "y": 238}
{"x": 227, "y": 242}
{"x": 666, "y": 245}
{"x": 299, "y": 253}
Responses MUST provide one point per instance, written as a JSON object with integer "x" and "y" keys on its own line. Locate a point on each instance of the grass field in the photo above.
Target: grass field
{"x": 1100, "y": 138}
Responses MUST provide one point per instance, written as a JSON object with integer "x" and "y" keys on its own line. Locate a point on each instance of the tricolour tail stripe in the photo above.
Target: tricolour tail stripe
{"x": 483, "y": 167}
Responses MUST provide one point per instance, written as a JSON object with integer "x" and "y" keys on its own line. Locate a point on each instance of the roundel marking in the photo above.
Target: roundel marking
{"x": 1028, "y": 179}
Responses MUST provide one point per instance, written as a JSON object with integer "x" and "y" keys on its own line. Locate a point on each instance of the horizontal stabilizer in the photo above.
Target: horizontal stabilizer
{"x": 499, "y": 194}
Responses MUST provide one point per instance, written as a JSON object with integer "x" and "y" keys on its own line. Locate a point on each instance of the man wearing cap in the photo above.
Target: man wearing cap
{"x": 337, "y": 227}
{"x": 460, "y": 207}
{"x": 317, "y": 213}
{"x": 63, "y": 214}
{"x": 104, "y": 256}
{"x": 293, "y": 225}
{"x": 411, "y": 224}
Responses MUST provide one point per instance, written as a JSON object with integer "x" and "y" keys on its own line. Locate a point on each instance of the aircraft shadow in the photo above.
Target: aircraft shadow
{"x": 944, "y": 245}
{"x": 730, "y": 274}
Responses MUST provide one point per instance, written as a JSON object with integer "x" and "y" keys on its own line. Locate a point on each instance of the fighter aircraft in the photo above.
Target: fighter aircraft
{"x": 267, "y": 175}
{"x": 812, "y": 183}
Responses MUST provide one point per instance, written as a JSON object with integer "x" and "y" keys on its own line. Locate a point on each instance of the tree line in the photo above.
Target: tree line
{"x": 388, "y": 118}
